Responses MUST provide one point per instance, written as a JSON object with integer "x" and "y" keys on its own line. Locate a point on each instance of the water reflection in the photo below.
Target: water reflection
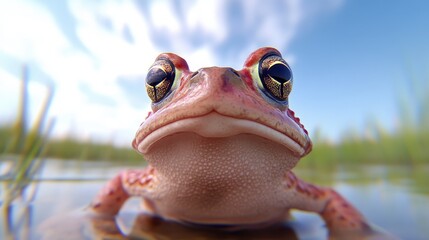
{"x": 392, "y": 197}
{"x": 144, "y": 226}
{"x": 16, "y": 227}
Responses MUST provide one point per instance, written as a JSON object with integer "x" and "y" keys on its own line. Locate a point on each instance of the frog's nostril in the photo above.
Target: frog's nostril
{"x": 234, "y": 72}
{"x": 195, "y": 73}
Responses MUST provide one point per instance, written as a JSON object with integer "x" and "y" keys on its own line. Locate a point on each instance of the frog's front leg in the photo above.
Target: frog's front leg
{"x": 123, "y": 186}
{"x": 337, "y": 212}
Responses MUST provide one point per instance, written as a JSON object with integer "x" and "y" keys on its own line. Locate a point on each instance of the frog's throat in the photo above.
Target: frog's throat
{"x": 215, "y": 125}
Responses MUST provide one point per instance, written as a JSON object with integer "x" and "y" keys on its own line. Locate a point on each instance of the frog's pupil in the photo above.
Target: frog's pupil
{"x": 279, "y": 72}
{"x": 155, "y": 76}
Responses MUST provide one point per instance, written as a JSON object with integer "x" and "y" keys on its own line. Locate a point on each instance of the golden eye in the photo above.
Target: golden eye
{"x": 276, "y": 77}
{"x": 159, "y": 79}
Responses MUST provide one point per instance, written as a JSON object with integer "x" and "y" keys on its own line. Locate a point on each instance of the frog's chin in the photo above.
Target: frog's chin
{"x": 215, "y": 125}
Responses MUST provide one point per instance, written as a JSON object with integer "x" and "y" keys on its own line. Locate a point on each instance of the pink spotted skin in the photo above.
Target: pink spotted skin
{"x": 221, "y": 152}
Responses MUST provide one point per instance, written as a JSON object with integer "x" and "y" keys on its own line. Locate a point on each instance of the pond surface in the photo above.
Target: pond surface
{"x": 395, "y": 198}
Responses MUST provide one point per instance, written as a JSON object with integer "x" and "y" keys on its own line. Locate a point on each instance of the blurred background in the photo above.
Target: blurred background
{"x": 72, "y": 88}
{"x": 354, "y": 62}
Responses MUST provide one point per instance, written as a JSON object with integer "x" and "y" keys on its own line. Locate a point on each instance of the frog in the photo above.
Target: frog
{"x": 220, "y": 146}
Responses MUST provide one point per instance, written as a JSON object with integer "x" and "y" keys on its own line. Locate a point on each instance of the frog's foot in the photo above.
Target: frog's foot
{"x": 338, "y": 214}
{"x": 341, "y": 215}
{"x": 124, "y": 185}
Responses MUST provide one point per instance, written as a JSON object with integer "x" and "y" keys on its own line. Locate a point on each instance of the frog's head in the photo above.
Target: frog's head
{"x": 218, "y": 112}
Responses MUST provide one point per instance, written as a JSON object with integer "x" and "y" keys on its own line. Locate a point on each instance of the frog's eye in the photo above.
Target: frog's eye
{"x": 275, "y": 76}
{"x": 159, "y": 79}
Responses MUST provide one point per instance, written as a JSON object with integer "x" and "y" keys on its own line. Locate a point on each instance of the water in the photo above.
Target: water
{"x": 394, "y": 198}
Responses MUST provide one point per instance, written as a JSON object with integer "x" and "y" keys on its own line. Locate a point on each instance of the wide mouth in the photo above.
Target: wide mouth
{"x": 216, "y": 125}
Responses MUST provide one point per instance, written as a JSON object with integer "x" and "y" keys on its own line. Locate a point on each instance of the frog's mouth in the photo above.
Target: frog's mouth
{"x": 216, "y": 125}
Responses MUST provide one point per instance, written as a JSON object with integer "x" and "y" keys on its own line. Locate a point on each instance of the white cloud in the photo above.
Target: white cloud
{"x": 10, "y": 92}
{"x": 164, "y": 17}
{"x": 229, "y": 30}
{"x": 9, "y": 89}
{"x": 207, "y": 18}
{"x": 30, "y": 34}
{"x": 33, "y": 36}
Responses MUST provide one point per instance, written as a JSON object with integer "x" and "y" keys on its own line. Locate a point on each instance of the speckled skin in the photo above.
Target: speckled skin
{"x": 221, "y": 152}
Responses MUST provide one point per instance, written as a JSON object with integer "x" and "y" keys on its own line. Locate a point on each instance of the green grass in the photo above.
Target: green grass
{"x": 408, "y": 144}
{"x": 70, "y": 148}
{"x": 398, "y": 148}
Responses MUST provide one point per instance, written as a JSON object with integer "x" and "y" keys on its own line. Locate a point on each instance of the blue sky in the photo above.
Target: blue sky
{"x": 351, "y": 59}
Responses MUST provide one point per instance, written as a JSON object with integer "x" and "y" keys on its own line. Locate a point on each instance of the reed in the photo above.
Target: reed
{"x": 26, "y": 143}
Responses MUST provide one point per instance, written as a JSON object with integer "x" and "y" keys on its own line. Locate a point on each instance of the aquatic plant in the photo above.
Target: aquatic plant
{"x": 22, "y": 157}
